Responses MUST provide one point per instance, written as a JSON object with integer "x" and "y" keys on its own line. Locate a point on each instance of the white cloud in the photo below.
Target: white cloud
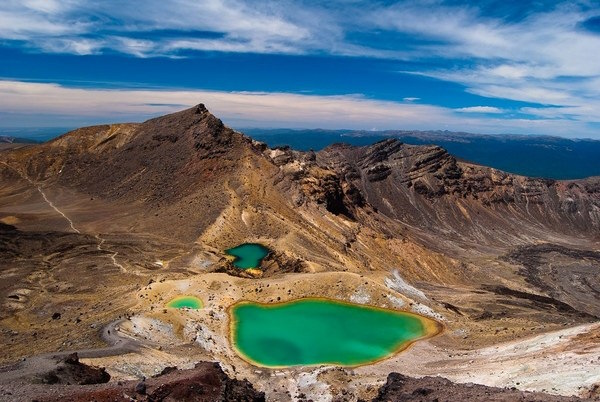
{"x": 543, "y": 45}
{"x": 37, "y": 19}
{"x": 544, "y": 59}
{"x": 79, "y": 46}
{"x": 525, "y": 92}
{"x": 547, "y": 43}
{"x": 480, "y": 109}
{"x": 258, "y": 107}
{"x": 43, "y": 6}
{"x": 253, "y": 27}
{"x": 24, "y": 101}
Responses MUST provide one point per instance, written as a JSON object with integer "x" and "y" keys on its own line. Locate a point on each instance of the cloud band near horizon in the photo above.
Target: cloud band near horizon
{"x": 88, "y": 106}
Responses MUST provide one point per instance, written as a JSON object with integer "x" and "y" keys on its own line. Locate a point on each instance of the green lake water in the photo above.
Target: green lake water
{"x": 322, "y": 331}
{"x": 185, "y": 302}
{"x": 248, "y": 255}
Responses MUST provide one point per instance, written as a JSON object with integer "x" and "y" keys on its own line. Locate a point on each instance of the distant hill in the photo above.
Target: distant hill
{"x": 535, "y": 156}
{"x": 30, "y": 135}
{"x": 5, "y": 139}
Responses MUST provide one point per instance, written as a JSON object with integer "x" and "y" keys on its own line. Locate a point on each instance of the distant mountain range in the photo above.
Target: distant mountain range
{"x": 535, "y": 156}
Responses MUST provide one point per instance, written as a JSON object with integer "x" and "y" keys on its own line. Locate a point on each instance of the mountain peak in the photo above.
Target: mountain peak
{"x": 200, "y": 108}
{"x": 190, "y": 115}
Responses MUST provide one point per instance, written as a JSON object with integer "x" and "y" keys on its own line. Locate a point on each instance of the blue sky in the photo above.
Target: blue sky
{"x": 530, "y": 67}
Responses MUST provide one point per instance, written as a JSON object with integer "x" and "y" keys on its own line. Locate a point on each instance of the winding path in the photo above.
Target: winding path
{"x": 118, "y": 344}
{"x": 112, "y": 254}
{"x": 39, "y": 189}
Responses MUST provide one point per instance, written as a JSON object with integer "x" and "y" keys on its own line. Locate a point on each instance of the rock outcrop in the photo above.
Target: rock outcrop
{"x": 426, "y": 187}
{"x": 70, "y": 371}
{"x": 205, "y": 383}
{"x": 401, "y": 388}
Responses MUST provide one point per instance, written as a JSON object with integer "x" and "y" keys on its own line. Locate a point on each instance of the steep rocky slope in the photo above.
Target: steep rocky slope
{"x": 426, "y": 187}
{"x": 174, "y": 165}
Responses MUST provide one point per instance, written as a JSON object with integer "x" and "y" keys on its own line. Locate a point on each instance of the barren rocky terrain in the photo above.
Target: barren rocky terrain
{"x": 102, "y": 226}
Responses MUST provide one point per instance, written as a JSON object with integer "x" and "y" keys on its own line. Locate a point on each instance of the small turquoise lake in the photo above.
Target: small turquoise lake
{"x": 316, "y": 331}
{"x": 248, "y": 255}
{"x": 190, "y": 302}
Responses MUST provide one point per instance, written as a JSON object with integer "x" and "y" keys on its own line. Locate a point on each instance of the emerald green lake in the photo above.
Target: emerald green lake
{"x": 185, "y": 302}
{"x": 248, "y": 255}
{"x": 322, "y": 331}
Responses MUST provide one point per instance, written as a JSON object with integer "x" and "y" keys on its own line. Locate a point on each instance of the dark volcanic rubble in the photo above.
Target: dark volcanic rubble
{"x": 401, "y": 388}
{"x": 205, "y": 383}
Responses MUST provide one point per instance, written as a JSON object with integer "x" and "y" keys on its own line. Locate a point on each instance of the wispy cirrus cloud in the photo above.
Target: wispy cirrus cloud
{"x": 72, "y": 26}
{"x": 544, "y": 58}
{"x": 542, "y": 53}
{"x": 480, "y": 109}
